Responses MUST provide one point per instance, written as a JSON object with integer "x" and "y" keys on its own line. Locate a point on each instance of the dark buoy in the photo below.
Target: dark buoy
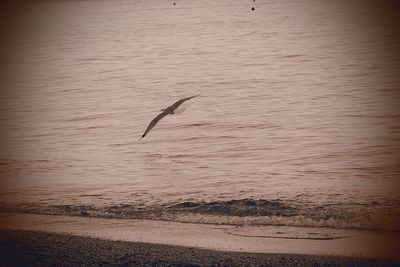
{"x": 174, "y": 3}
{"x": 252, "y": 8}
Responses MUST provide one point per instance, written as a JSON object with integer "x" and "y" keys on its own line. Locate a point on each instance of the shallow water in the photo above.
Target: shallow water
{"x": 297, "y": 122}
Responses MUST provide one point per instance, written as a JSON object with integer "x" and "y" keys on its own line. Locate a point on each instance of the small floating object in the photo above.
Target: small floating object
{"x": 174, "y": 3}
{"x": 253, "y": 8}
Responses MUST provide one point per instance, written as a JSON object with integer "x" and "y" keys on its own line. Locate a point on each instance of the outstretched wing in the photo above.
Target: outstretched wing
{"x": 154, "y": 122}
{"x": 180, "y": 102}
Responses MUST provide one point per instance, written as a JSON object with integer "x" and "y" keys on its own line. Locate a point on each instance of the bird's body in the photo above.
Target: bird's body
{"x": 169, "y": 110}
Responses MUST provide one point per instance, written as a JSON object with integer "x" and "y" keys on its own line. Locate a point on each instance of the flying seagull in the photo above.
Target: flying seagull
{"x": 169, "y": 110}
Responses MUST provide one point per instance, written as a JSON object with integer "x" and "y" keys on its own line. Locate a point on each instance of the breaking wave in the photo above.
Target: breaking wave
{"x": 241, "y": 208}
{"x": 232, "y": 212}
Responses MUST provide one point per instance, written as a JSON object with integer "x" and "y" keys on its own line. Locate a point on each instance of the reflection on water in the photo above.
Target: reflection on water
{"x": 298, "y": 106}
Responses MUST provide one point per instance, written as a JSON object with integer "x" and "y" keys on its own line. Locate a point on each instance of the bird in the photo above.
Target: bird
{"x": 164, "y": 112}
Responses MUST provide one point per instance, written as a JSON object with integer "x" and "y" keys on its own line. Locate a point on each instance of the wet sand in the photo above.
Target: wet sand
{"x": 29, "y": 248}
{"x": 249, "y": 239}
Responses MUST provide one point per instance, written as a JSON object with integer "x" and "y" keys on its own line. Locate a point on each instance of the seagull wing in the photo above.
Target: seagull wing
{"x": 180, "y": 102}
{"x": 154, "y": 122}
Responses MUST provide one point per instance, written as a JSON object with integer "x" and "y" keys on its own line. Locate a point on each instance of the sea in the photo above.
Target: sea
{"x": 297, "y": 122}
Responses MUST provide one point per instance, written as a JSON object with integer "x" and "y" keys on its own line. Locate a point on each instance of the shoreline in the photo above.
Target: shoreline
{"x": 153, "y": 242}
{"x": 34, "y": 248}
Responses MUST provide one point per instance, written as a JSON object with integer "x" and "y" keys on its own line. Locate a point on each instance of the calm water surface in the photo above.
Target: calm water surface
{"x": 298, "y": 121}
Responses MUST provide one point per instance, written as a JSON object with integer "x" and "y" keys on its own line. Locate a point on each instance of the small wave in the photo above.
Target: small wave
{"x": 82, "y": 210}
{"x": 241, "y": 208}
{"x": 200, "y": 124}
{"x": 246, "y": 211}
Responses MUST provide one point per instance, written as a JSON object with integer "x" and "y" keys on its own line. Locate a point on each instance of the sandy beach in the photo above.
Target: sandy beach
{"x": 43, "y": 240}
{"x": 250, "y": 239}
{"x": 23, "y": 248}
